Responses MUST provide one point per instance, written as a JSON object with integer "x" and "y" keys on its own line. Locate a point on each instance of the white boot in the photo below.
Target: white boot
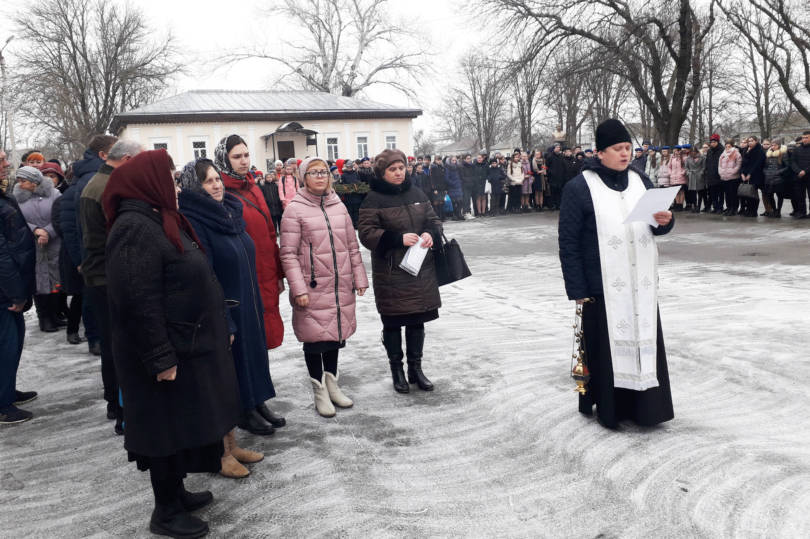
{"x": 322, "y": 402}
{"x": 335, "y": 393}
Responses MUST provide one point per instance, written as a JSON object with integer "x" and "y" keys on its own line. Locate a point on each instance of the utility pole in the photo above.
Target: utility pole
{"x": 9, "y": 115}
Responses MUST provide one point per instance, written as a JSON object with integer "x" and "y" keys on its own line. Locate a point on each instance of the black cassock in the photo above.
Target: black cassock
{"x": 614, "y": 404}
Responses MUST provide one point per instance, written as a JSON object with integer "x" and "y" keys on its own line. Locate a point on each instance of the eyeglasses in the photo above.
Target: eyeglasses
{"x": 318, "y": 173}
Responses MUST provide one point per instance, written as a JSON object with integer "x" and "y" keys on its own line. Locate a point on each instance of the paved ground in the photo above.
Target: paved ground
{"x": 498, "y": 449}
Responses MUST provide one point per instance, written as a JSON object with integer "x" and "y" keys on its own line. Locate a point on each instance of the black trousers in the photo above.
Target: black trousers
{"x": 101, "y": 310}
{"x": 615, "y": 404}
{"x": 716, "y": 197}
{"x": 801, "y": 192}
{"x": 74, "y": 313}
{"x": 732, "y": 200}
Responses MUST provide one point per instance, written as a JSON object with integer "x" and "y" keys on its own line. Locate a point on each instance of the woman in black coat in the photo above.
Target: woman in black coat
{"x": 394, "y": 216}
{"x": 216, "y": 217}
{"x": 170, "y": 340}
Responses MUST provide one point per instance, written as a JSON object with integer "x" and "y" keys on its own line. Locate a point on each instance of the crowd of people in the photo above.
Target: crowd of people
{"x": 177, "y": 276}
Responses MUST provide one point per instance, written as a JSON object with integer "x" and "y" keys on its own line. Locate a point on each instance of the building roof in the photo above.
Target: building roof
{"x": 239, "y": 105}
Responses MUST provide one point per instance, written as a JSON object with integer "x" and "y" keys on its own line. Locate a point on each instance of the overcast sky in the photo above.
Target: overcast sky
{"x": 205, "y": 29}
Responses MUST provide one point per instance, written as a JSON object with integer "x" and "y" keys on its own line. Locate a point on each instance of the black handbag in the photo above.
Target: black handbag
{"x": 450, "y": 263}
{"x": 747, "y": 190}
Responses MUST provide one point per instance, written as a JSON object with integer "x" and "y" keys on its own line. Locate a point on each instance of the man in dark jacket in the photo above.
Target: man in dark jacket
{"x": 800, "y": 164}
{"x": 17, "y": 260}
{"x": 94, "y": 240}
{"x": 712, "y": 174}
{"x": 83, "y": 171}
{"x": 639, "y": 159}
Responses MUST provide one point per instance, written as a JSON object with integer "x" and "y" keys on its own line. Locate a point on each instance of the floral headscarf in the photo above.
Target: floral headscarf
{"x": 222, "y": 162}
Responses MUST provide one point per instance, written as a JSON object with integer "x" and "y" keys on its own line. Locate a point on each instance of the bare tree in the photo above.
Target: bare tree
{"x": 565, "y": 94}
{"x": 779, "y": 31}
{"x": 632, "y": 33}
{"x": 346, "y": 46}
{"x": 454, "y": 124}
{"x": 85, "y": 61}
{"x": 485, "y": 89}
{"x": 423, "y": 144}
{"x": 526, "y": 86}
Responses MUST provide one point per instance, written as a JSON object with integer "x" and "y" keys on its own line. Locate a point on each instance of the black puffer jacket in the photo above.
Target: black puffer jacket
{"x": 167, "y": 309}
{"x": 712, "y": 174}
{"x": 388, "y": 212}
{"x": 17, "y": 254}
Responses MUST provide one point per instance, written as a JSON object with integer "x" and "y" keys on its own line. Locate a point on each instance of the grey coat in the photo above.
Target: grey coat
{"x": 36, "y": 208}
{"x": 694, "y": 171}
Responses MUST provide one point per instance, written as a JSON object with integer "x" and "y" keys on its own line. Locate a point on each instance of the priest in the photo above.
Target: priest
{"x": 612, "y": 269}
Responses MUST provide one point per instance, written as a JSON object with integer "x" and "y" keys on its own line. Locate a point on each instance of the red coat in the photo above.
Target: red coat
{"x": 260, "y": 228}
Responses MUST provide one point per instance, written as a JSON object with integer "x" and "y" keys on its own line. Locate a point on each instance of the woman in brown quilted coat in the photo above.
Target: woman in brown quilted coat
{"x": 324, "y": 269}
{"x": 394, "y": 217}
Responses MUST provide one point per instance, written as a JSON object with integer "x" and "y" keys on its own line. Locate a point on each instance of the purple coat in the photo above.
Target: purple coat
{"x": 319, "y": 246}
{"x": 36, "y": 208}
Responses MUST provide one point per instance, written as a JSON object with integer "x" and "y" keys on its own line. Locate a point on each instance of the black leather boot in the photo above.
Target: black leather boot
{"x": 414, "y": 342}
{"x": 392, "y": 340}
{"x": 191, "y": 501}
{"x": 172, "y": 520}
{"x": 42, "y": 303}
{"x": 274, "y": 419}
{"x": 254, "y": 423}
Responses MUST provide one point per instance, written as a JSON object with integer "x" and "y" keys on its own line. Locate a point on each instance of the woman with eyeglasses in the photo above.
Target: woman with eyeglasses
{"x": 324, "y": 270}
{"x": 232, "y": 159}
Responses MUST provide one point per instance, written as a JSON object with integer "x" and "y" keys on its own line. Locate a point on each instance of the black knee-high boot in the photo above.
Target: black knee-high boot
{"x": 170, "y": 516}
{"x": 392, "y": 340}
{"x": 414, "y": 342}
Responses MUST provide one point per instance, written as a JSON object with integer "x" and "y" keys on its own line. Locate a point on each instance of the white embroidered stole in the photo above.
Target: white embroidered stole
{"x": 629, "y": 259}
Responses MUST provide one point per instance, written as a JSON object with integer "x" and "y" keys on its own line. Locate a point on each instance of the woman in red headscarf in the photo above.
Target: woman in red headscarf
{"x": 170, "y": 340}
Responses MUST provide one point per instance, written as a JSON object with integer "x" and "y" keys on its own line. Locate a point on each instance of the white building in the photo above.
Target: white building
{"x": 275, "y": 125}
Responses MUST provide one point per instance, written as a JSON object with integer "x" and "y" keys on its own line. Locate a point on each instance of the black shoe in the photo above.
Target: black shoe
{"x": 74, "y": 338}
{"x": 398, "y": 376}
{"x": 12, "y": 414}
{"x": 94, "y": 348}
{"x": 191, "y": 501}
{"x": 46, "y": 324}
{"x": 21, "y": 397}
{"x": 276, "y": 420}
{"x": 173, "y": 521}
{"x": 254, "y": 423}
{"x": 119, "y": 426}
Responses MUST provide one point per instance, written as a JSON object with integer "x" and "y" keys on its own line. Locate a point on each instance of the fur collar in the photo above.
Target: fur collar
{"x": 44, "y": 190}
{"x": 781, "y": 152}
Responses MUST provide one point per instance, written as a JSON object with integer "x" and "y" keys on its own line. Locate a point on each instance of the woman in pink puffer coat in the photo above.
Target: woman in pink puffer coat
{"x": 321, "y": 259}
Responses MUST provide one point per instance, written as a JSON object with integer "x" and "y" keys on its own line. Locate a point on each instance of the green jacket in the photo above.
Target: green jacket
{"x": 94, "y": 228}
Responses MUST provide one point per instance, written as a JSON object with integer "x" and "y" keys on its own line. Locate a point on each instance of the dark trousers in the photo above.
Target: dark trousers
{"x": 691, "y": 197}
{"x": 467, "y": 189}
{"x": 801, "y": 192}
{"x": 716, "y": 197}
{"x": 498, "y": 202}
{"x": 91, "y": 330}
{"x": 12, "y": 335}
{"x": 732, "y": 200}
{"x": 74, "y": 313}
{"x": 101, "y": 309}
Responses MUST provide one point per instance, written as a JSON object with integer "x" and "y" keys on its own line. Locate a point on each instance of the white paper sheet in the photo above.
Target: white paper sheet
{"x": 653, "y": 201}
{"x": 414, "y": 257}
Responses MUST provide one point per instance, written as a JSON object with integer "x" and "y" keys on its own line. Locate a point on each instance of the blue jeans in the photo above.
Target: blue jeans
{"x": 12, "y": 335}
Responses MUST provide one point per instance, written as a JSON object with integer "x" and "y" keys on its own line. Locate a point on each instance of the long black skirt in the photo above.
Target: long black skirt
{"x": 615, "y": 404}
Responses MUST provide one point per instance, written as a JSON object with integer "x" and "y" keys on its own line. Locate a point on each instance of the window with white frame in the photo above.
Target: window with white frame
{"x": 362, "y": 147}
{"x": 200, "y": 149}
{"x": 332, "y": 148}
{"x": 391, "y": 142}
{"x": 160, "y": 146}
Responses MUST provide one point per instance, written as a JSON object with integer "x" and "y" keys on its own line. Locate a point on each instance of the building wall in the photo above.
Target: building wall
{"x": 180, "y": 139}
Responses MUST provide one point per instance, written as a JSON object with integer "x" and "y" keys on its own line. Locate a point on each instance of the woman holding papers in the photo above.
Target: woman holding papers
{"x": 324, "y": 269}
{"x": 393, "y": 218}
{"x": 612, "y": 268}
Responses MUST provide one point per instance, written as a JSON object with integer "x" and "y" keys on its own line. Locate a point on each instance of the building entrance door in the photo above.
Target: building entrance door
{"x": 286, "y": 149}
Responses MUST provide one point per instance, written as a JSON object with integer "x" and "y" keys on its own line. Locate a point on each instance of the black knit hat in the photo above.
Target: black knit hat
{"x": 611, "y": 132}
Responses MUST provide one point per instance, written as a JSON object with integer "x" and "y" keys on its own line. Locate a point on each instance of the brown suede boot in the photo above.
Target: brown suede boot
{"x": 245, "y": 456}
{"x": 230, "y": 466}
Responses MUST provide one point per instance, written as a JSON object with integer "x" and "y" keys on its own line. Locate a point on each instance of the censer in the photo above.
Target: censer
{"x": 579, "y": 371}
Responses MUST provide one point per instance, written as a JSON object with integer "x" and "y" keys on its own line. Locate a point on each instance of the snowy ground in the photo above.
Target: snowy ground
{"x": 498, "y": 450}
